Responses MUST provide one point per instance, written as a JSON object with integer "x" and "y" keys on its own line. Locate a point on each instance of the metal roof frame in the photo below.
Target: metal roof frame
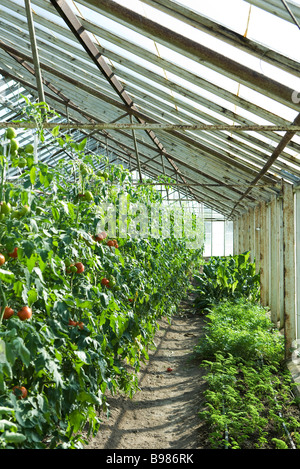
{"x": 238, "y": 152}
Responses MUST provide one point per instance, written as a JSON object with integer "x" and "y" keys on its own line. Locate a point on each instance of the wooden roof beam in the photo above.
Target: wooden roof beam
{"x": 84, "y": 39}
{"x": 276, "y": 153}
{"x": 34, "y": 50}
{"x": 195, "y": 51}
{"x": 203, "y": 23}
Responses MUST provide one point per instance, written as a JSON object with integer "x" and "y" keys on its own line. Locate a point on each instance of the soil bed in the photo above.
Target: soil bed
{"x": 164, "y": 413}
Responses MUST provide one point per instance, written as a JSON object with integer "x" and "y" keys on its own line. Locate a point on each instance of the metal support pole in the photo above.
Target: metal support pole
{"x": 34, "y": 49}
{"x": 136, "y": 152}
{"x": 179, "y": 196}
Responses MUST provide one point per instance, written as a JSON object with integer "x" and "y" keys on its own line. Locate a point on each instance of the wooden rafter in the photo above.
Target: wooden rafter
{"x": 82, "y": 36}
{"x": 196, "y": 51}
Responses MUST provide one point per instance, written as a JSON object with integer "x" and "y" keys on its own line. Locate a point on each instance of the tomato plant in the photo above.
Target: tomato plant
{"x": 76, "y": 331}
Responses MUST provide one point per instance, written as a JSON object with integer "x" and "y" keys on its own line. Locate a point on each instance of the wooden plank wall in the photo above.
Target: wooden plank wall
{"x": 269, "y": 232}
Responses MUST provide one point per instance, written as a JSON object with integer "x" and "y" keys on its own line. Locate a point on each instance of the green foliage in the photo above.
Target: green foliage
{"x": 69, "y": 367}
{"x": 241, "y": 329}
{"x": 230, "y": 277}
{"x": 248, "y": 388}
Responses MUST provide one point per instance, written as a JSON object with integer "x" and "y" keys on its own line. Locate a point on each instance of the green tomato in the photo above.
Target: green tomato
{"x": 14, "y": 145}
{"x": 23, "y": 211}
{"x": 22, "y": 162}
{"x": 13, "y": 156}
{"x": 10, "y": 133}
{"x": 29, "y": 148}
{"x": 112, "y": 281}
{"x": 15, "y": 214}
{"x": 5, "y": 208}
{"x": 88, "y": 196}
{"x": 83, "y": 169}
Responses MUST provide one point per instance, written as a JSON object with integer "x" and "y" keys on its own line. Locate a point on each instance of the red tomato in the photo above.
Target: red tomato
{"x": 14, "y": 254}
{"x": 20, "y": 389}
{"x": 25, "y": 313}
{"x": 80, "y": 267}
{"x": 99, "y": 237}
{"x": 72, "y": 323}
{"x": 8, "y": 313}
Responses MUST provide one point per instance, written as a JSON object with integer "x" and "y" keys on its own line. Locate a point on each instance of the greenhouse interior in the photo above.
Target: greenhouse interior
{"x": 149, "y": 183}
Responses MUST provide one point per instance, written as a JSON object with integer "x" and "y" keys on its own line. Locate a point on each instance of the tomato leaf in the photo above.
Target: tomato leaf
{"x": 21, "y": 350}
{"x": 32, "y": 175}
{"x": 55, "y": 131}
{"x": 7, "y": 276}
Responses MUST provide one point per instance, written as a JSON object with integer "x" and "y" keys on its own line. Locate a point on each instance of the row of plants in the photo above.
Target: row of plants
{"x": 248, "y": 401}
{"x": 79, "y": 305}
{"x": 226, "y": 277}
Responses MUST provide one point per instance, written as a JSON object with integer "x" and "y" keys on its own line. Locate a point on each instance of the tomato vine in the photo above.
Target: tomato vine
{"x": 78, "y": 339}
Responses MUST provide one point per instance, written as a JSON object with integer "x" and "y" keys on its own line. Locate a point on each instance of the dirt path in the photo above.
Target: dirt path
{"x": 163, "y": 414}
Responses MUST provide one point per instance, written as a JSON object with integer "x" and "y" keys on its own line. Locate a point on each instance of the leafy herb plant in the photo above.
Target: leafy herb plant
{"x": 248, "y": 401}
{"x": 230, "y": 277}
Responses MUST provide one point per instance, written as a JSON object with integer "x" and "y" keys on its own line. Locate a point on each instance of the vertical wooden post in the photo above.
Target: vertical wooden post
{"x": 273, "y": 272}
{"x": 252, "y": 234}
{"x": 241, "y": 238}
{"x": 264, "y": 281}
{"x": 289, "y": 267}
{"x": 267, "y": 254}
{"x": 240, "y": 235}
{"x": 257, "y": 227}
{"x": 297, "y": 260}
{"x": 236, "y": 235}
{"x": 245, "y": 231}
{"x": 280, "y": 263}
